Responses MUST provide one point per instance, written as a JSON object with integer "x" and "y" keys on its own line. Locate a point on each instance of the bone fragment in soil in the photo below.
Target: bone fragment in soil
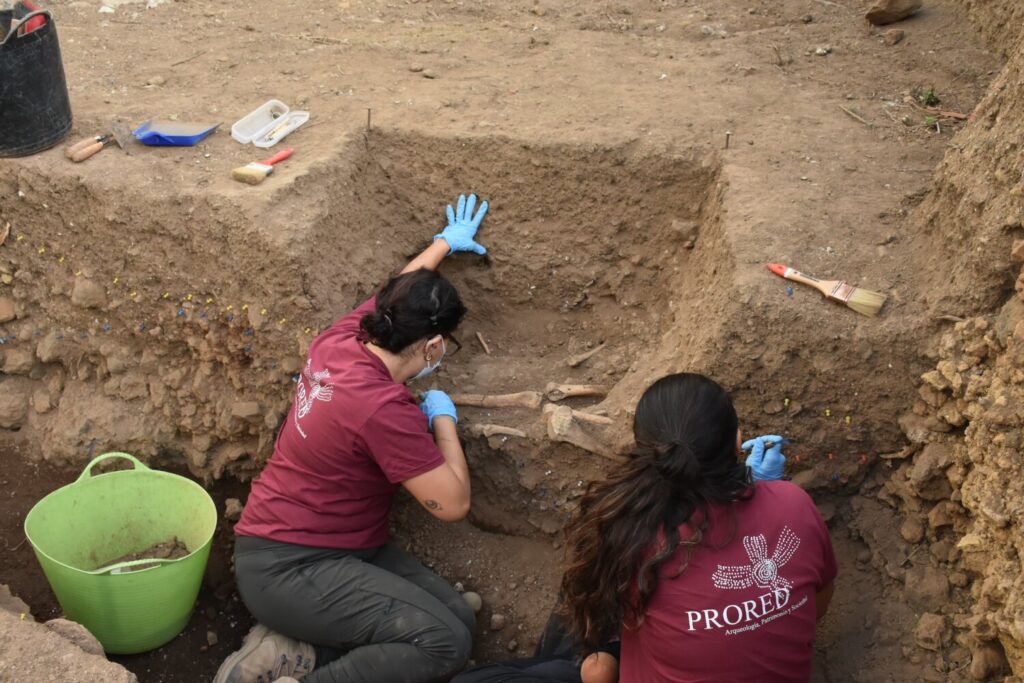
{"x": 581, "y": 416}
{"x": 581, "y": 358}
{"x": 483, "y": 343}
{"x": 489, "y": 430}
{"x": 523, "y": 399}
{"x": 564, "y": 427}
{"x": 558, "y": 392}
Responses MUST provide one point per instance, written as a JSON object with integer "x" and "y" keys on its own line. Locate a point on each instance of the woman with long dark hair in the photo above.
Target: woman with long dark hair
{"x": 697, "y": 566}
{"x": 335, "y": 599}
{"x": 705, "y": 574}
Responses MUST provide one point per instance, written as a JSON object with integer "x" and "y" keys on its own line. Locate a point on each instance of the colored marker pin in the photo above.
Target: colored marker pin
{"x": 785, "y": 402}
{"x": 848, "y": 419}
{"x": 828, "y": 412}
{"x": 831, "y": 457}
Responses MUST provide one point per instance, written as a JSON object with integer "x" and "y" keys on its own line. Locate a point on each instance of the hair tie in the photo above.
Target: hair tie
{"x": 387, "y": 319}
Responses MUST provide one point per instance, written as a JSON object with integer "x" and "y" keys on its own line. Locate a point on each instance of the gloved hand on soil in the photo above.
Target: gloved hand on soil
{"x": 436, "y": 403}
{"x": 462, "y": 225}
{"x": 766, "y": 464}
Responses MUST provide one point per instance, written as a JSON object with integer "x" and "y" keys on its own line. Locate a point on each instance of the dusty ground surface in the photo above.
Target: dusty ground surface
{"x": 163, "y": 309}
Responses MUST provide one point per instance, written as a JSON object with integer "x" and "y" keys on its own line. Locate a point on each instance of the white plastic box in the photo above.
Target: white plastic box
{"x": 267, "y": 125}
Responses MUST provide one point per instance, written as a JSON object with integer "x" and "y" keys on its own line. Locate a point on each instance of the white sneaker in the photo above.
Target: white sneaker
{"x": 267, "y": 657}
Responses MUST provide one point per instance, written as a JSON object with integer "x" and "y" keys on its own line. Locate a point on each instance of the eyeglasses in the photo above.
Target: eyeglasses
{"x": 453, "y": 340}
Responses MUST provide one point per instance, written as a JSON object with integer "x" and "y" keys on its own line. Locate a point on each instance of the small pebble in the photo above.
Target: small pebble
{"x": 156, "y": 80}
{"x": 823, "y": 50}
{"x": 211, "y": 638}
{"x": 429, "y": 73}
{"x": 459, "y": 588}
{"x": 513, "y": 645}
{"x": 864, "y": 555}
{"x": 497, "y": 622}
{"x": 416, "y": 68}
{"x": 473, "y": 600}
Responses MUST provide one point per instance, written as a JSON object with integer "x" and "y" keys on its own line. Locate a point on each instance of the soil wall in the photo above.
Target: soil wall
{"x": 959, "y": 483}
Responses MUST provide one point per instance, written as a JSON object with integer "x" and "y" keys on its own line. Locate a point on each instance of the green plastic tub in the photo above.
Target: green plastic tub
{"x": 77, "y": 531}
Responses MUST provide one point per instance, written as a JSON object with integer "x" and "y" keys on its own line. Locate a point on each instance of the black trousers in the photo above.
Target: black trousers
{"x": 374, "y": 616}
{"x": 556, "y": 660}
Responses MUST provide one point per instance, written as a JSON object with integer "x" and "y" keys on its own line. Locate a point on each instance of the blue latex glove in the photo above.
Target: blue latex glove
{"x": 435, "y": 403}
{"x": 462, "y": 225}
{"x": 765, "y": 464}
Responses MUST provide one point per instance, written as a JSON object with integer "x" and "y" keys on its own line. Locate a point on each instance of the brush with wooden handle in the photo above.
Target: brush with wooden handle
{"x": 254, "y": 173}
{"x": 864, "y": 301}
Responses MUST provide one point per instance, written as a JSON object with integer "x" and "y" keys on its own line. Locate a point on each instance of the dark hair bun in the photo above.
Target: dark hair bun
{"x": 413, "y": 306}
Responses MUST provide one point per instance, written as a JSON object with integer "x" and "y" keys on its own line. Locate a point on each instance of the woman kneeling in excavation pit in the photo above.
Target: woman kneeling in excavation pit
{"x": 335, "y": 599}
{"x": 685, "y": 565}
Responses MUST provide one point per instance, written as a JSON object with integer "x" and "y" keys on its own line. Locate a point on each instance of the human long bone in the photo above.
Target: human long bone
{"x": 558, "y": 392}
{"x": 522, "y": 399}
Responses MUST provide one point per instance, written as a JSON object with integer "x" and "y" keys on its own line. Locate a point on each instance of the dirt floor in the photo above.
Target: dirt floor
{"x": 643, "y": 161}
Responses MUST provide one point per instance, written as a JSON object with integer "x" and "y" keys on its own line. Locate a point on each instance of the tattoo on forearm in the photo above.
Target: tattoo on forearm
{"x": 432, "y": 505}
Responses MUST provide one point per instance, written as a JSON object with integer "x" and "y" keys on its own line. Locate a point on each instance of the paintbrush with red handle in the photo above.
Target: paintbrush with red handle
{"x": 864, "y": 301}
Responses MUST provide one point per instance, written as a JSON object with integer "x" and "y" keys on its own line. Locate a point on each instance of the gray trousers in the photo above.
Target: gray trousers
{"x": 374, "y": 616}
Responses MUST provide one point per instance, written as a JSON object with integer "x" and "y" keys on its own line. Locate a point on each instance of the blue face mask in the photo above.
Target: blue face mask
{"x": 430, "y": 368}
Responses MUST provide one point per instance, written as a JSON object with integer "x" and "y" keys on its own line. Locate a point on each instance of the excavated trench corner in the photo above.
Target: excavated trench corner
{"x": 588, "y": 247}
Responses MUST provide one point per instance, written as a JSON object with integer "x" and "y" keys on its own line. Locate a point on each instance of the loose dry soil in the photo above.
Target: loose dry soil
{"x": 643, "y": 161}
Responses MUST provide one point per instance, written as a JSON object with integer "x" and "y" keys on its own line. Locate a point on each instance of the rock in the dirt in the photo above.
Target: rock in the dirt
{"x": 41, "y": 401}
{"x": 232, "y": 509}
{"x": 912, "y": 530}
{"x": 927, "y": 588}
{"x": 927, "y": 476}
{"x": 932, "y": 631}
{"x": 987, "y": 660}
{"x": 7, "y": 311}
{"x": 1017, "y": 251}
{"x": 894, "y": 36}
{"x": 473, "y": 600}
{"x": 211, "y": 638}
{"x": 943, "y": 514}
{"x": 13, "y": 408}
{"x": 246, "y": 409}
{"x": 43, "y": 655}
{"x": 77, "y": 634}
{"x": 19, "y": 361}
{"x": 88, "y": 294}
{"x": 890, "y": 11}
{"x": 959, "y": 579}
{"x": 512, "y": 646}
{"x": 497, "y": 622}
{"x": 12, "y": 603}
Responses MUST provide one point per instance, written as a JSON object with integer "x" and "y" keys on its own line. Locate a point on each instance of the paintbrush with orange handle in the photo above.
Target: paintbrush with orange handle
{"x": 864, "y": 301}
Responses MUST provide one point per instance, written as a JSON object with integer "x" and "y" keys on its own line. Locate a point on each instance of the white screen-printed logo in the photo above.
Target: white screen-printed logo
{"x": 319, "y": 390}
{"x": 763, "y": 570}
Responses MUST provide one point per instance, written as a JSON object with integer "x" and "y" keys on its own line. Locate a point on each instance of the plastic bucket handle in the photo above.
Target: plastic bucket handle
{"x": 87, "y": 472}
{"x": 24, "y": 20}
{"x": 118, "y": 566}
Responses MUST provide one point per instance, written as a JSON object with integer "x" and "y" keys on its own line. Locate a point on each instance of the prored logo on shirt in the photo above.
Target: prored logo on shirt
{"x": 319, "y": 390}
{"x": 763, "y": 572}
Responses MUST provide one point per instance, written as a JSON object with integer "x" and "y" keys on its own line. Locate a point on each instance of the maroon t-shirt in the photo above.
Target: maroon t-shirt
{"x": 352, "y": 436}
{"x": 743, "y": 610}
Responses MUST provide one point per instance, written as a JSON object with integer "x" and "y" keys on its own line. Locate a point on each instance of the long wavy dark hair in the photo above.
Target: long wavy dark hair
{"x": 627, "y": 526}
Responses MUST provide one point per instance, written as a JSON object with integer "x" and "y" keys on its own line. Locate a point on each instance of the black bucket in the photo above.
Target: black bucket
{"x": 35, "y": 113}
